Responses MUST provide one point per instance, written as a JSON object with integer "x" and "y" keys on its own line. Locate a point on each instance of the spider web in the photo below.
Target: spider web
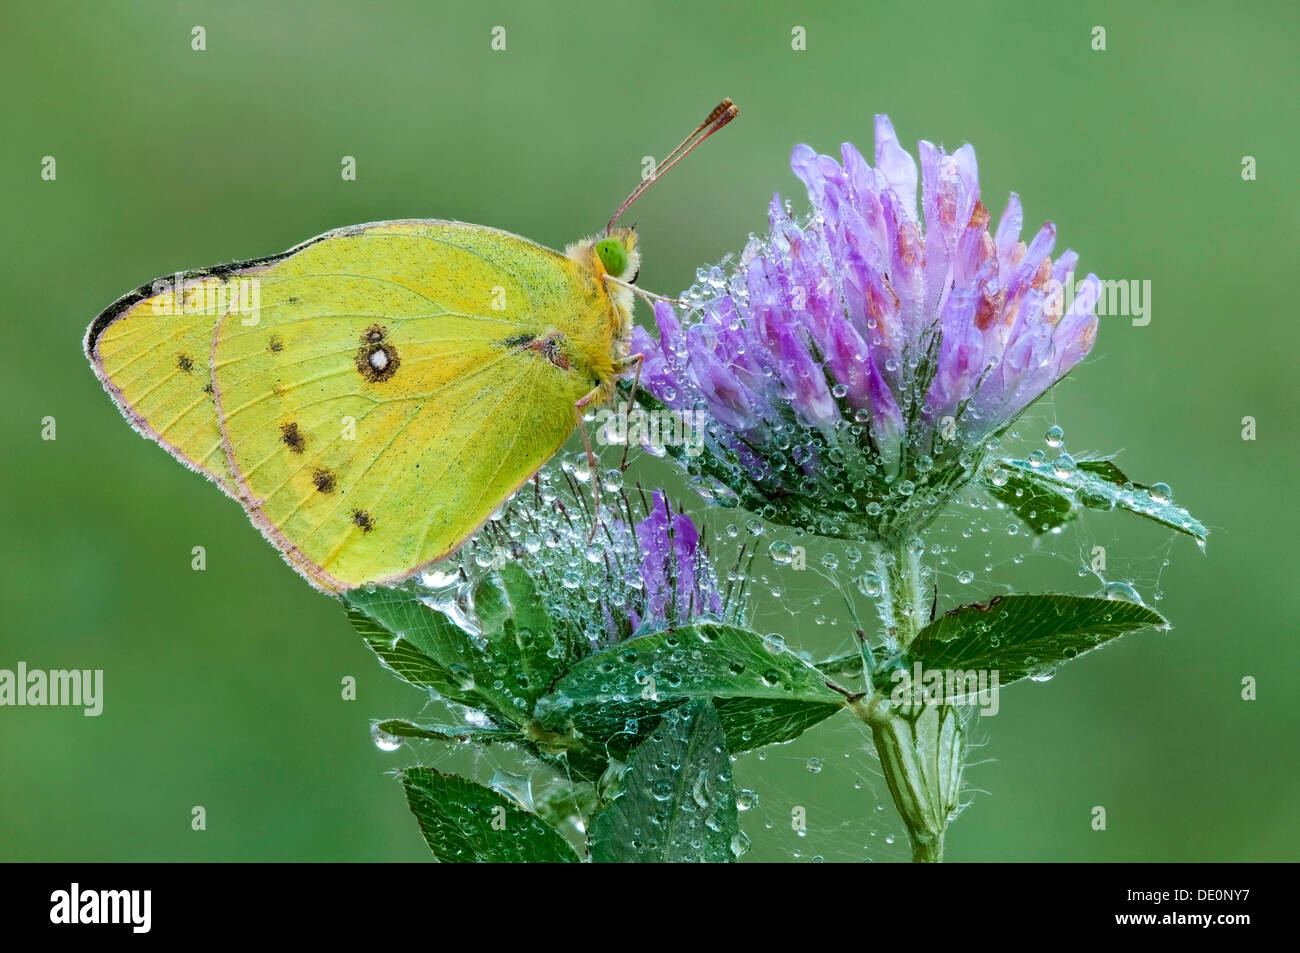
{"x": 822, "y": 796}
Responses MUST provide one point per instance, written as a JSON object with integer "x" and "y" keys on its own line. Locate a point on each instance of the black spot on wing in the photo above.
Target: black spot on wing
{"x": 184, "y": 363}
{"x": 324, "y": 480}
{"x": 361, "y": 519}
{"x": 275, "y": 345}
{"x": 292, "y": 437}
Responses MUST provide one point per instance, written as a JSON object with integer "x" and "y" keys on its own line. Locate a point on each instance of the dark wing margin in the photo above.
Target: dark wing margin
{"x": 146, "y": 291}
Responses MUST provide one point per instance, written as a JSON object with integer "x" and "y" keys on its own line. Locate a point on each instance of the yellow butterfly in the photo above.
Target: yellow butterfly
{"x": 372, "y": 395}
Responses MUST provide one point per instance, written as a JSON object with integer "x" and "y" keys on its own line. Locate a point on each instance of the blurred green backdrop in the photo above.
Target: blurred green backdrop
{"x": 223, "y": 687}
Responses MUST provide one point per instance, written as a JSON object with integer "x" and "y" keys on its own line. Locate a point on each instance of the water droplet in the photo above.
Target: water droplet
{"x": 782, "y": 552}
{"x": 869, "y": 584}
{"x": 384, "y": 741}
{"x": 965, "y": 577}
{"x": 999, "y": 476}
{"x": 739, "y": 843}
{"x": 1055, "y": 437}
{"x": 1042, "y": 672}
{"x": 1121, "y": 592}
{"x": 1161, "y": 493}
{"x": 815, "y": 765}
{"x": 746, "y": 800}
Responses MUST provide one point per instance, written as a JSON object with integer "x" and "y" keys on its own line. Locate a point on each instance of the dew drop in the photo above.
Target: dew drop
{"x": 869, "y": 584}
{"x": 1121, "y": 592}
{"x": 739, "y": 844}
{"x": 782, "y": 552}
{"x": 384, "y": 740}
{"x": 1042, "y": 672}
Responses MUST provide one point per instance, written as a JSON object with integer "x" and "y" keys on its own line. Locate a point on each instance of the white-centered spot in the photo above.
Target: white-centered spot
{"x": 379, "y": 359}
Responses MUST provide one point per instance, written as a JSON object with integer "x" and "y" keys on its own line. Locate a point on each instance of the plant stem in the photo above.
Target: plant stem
{"x": 919, "y": 740}
{"x": 903, "y": 606}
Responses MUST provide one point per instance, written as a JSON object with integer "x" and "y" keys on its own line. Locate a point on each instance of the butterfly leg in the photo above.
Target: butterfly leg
{"x": 591, "y": 457}
{"x": 639, "y": 360}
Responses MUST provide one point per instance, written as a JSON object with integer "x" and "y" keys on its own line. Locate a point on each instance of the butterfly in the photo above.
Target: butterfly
{"x": 374, "y": 394}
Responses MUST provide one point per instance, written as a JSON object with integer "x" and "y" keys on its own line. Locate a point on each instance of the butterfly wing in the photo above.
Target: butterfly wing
{"x": 150, "y": 349}
{"x": 401, "y": 381}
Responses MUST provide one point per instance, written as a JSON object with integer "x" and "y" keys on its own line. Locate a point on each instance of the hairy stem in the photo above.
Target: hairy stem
{"x": 919, "y": 741}
{"x": 904, "y": 610}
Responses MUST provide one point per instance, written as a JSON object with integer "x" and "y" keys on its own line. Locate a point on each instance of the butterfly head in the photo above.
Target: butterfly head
{"x": 614, "y": 254}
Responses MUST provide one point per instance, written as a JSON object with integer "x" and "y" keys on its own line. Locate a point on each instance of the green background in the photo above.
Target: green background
{"x": 223, "y": 687}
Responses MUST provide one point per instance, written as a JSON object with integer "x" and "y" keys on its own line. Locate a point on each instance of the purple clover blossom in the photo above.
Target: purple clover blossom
{"x": 645, "y": 567}
{"x": 861, "y": 358}
{"x": 679, "y": 583}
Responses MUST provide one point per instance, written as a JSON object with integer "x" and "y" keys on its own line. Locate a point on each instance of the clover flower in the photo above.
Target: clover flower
{"x": 632, "y": 576}
{"x": 856, "y": 367}
{"x": 679, "y": 582}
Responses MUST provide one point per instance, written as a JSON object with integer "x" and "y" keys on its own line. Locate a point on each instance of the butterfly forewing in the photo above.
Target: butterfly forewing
{"x": 151, "y": 350}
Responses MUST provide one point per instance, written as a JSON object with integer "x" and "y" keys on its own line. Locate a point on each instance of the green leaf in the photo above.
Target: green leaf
{"x": 754, "y": 722}
{"x": 1041, "y": 508}
{"x": 850, "y": 663}
{"x": 1106, "y": 470}
{"x": 428, "y": 650}
{"x": 520, "y": 632}
{"x": 464, "y": 822}
{"x": 764, "y": 692}
{"x": 1022, "y": 635}
{"x": 678, "y": 803}
{"x": 1045, "y": 500}
{"x": 515, "y": 645}
{"x": 399, "y": 728}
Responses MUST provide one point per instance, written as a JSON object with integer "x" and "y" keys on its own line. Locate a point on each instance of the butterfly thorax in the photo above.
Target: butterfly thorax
{"x": 604, "y": 350}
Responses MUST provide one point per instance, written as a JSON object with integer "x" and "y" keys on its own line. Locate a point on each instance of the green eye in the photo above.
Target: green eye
{"x": 612, "y": 255}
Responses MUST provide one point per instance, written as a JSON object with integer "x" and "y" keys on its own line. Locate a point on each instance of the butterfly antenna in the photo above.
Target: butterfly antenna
{"x": 722, "y": 114}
